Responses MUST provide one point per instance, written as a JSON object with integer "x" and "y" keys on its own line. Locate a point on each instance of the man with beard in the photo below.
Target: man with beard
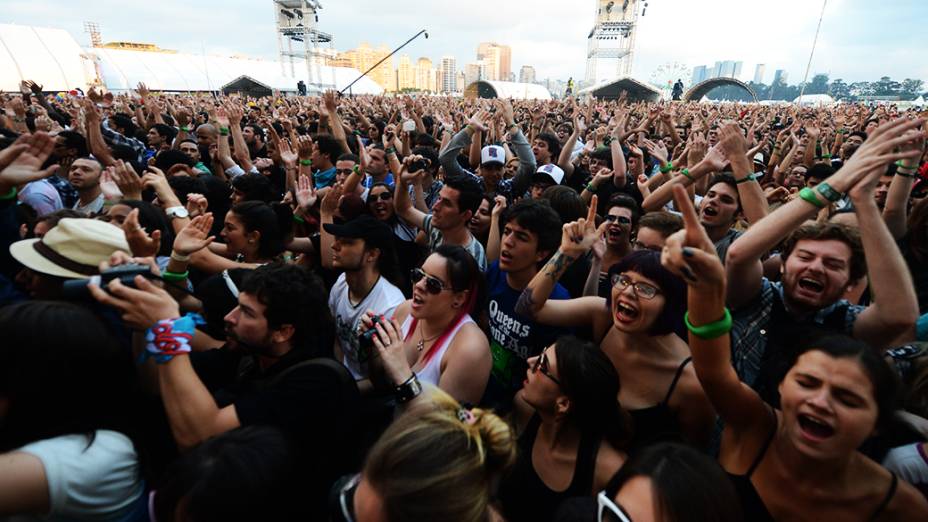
{"x": 84, "y": 176}
{"x": 820, "y": 261}
{"x": 268, "y": 372}
{"x": 362, "y": 248}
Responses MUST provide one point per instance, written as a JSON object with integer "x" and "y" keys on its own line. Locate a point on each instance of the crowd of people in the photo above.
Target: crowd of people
{"x": 392, "y": 309}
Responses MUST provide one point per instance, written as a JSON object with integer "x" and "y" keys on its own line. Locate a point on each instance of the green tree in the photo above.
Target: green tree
{"x": 912, "y": 88}
{"x": 839, "y": 90}
{"x": 886, "y": 87}
{"x": 818, "y": 85}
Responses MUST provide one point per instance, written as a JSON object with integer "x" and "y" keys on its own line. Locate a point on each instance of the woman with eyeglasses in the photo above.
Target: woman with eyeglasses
{"x": 573, "y": 432}
{"x": 439, "y": 461}
{"x": 439, "y": 342}
{"x": 639, "y": 326}
{"x": 801, "y": 461}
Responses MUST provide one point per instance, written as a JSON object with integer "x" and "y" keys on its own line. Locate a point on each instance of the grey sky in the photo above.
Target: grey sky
{"x": 860, "y": 39}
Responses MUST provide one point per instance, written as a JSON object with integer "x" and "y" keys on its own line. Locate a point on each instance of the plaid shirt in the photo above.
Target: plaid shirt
{"x": 752, "y": 324}
{"x": 116, "y": 138}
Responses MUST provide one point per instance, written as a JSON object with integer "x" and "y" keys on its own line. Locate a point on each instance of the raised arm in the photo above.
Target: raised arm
{"x": 690, "y": 254}
{"x": 895, "y": 211}
{"x": 576, "y": 239}
{"x": 240, "y": 149}
{"x": 733, "y": 143}
{"x": 338, "y": 130}
{"x": 523, "y": 150}
{"x": 493, "y": 241}
{"x": 404, "y": 207}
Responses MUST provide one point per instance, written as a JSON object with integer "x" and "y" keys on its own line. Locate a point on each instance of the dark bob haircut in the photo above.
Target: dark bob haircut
{"x": 648, "y": 264}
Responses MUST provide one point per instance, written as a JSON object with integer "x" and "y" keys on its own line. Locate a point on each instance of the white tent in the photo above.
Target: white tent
{"x": 920, "y": 101}
{"x": 815, "y": 99}
{"x": 52, "y": 58}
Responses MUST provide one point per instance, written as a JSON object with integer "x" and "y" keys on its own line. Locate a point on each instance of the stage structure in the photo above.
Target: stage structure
{"x": 611, "y": 42}
{"x": 296, "y": 22}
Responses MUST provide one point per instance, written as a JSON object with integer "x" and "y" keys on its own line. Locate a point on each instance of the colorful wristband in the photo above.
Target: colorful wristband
{"x": 686, "y": 172}
{"x": 306, "y": 162}
{"x": 9, "y": 195}
{"x": 747, "y": 179}
{"x": 170, "y": 337}
{"x": 185, "y": 128}
{"x": 167, "y": 275}
{"x": 711, "y": 330}
{"x": 590, "y": 188}
{"x": 809, "y": 196}
{"x": 829, "y": 193}
{"x": 298, "y": 219}
{"x": 223, "y": 131}
{"x": 667, "y": 168}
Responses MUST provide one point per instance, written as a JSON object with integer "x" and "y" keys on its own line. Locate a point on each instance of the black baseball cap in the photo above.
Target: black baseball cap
{"x": 371, "y": 230}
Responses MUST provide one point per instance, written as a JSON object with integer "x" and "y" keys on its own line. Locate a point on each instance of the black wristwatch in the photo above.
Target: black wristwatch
{"x": 409, "y": 390}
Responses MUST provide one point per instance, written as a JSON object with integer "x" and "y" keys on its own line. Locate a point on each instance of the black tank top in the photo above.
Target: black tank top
{"x": 658, "y": 423}
{"x": 525, "y": 496}
{"x": 753, "y": 506}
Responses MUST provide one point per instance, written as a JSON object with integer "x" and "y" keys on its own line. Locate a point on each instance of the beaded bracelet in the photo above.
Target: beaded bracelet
{"x": 710, "y": 330}
{"x": 809, "y": 196}
{"x": 170, "y": 337}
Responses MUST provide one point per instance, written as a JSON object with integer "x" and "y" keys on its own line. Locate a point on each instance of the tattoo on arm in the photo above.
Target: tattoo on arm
{"x": 525, "y": 305}
{"x": 557, "y": 264}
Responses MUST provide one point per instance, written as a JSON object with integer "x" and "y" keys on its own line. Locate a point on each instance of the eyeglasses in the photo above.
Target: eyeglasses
{"x": 541, "y": 364}
{"x": 643, "y": 290}
{"x": 621, "y": 219}
{"x": 345, "y": 506}
{"x": 433, "y": 285}
{"x": 609, "y": 511}
{"x": 383, "y": 196}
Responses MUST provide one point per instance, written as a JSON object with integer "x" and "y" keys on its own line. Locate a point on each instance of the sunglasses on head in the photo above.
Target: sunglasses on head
{"x": 642, "y": 290}
{"x": 383, "y": 196}
{"x": 433, "y": 285}
{"x": 542, "y": 365}
{"x": 621, "y": 219}
{"x": 609, "y": 511}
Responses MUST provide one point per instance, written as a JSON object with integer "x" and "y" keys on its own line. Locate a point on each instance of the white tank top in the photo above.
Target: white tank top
{"x": 431, "y": 372}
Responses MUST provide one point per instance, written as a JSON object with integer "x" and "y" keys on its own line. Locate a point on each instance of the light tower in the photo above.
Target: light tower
{"x": 296, "y": 21}
{"x": 611, "y": 43}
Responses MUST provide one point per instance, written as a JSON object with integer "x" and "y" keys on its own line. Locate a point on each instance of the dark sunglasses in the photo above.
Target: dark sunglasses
{"x": 341, "y": 499}
{"x": 344, "y": 171}
{"x": 541, "y": 364}
{"x": 383, "y": 196}
{"x": 621, "y": 219}
{"x": 643, "y": 290}
{"x": 433, "y": 285}
{"x": 609, "y": 511}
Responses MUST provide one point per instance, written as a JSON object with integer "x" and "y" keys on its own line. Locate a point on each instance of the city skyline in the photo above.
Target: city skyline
{"x": 854, "y": 44}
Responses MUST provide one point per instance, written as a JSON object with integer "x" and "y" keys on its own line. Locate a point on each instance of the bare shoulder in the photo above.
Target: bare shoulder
{"x": 471, "y": 338}
{"x": 402, "y": 311}
{"x": 907, "y": 504}
{"x": 608, "y": 462}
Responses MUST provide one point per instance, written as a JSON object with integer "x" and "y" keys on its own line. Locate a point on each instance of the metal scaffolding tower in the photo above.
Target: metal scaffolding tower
{"x": 611, "y": 42}
{"x": 296, "y": 22}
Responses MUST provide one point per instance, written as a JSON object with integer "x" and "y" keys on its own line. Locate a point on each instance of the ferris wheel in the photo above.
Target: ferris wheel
{"x": 668, "y": 73}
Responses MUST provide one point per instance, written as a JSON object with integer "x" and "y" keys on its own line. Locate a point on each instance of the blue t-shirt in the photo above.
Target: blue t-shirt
{"x": 324, "y": 178}
{"x": 513, "y": 338}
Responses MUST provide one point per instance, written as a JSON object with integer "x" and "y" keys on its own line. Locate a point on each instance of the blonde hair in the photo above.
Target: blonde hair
{"x": 440, "y": 462}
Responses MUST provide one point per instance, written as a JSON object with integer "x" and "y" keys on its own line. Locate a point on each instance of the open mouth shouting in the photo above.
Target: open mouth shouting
{"x": 626, "y": 312}
{"x": 505, "y": 257}
{"x": 710, "y": 212}
{"x": 814, "y": 429}
{"x": 811, "y": 285}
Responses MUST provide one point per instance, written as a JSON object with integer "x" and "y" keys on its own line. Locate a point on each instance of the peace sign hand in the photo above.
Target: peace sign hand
{"x": 690, "y": 253}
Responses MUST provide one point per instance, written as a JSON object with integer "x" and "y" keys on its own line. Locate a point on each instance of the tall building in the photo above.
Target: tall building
{"x": 449, "y": 74}
{"x": 611, "y": 42}
{"x": 759, "y": 73}
{"x": 459, "y": 80}
{"x": 475, "y": 71}
{"x": 405, "y": 75}
{"x": 423, "y": 71}
{"x": 498, "y": 59}
{"x": 700, "y": 74}
{"x": 364, "y": 57}
{"x": 780, "y": 75}
{"x": 736, "y": 73}
{"x": 527, "y": 74}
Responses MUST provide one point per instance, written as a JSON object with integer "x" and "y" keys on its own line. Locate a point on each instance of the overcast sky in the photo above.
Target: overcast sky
{"x": 860, "y": 39}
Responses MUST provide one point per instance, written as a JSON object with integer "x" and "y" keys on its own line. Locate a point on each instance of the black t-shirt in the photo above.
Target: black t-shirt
{"x": 315, "y": 403}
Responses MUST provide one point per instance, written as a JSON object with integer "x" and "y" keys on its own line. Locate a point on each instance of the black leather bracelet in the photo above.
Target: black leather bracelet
{"x": 409, "y": 390}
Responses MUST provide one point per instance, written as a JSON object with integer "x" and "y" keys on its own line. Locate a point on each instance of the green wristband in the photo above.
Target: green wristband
{"x": 298, "y": 219}
{"x": 711, "y": 330}
{"x": 747, "y": 179}
{"x": 590, "y": 188}
{"x": 9, "y": 195}
{"x": 185, "y": 128}
{"x": 809, "y": 196}
{"x": 667, "y": 168}
{"x": 173, "y": 276}
{"x": 223, "y": 131}
{"x": 686, "y": 172}
{"x": 306, "y": 162}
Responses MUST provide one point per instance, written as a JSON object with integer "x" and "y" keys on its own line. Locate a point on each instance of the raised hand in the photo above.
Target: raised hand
{"x": 330, "y": 201}
{"x": 900, "y": 139}
{"x": 477, "y": 121}
{"x": 689, "y": 252}
{"x": 731, "y": 143}
{"x": 657, "y": 150}
{"x": 499, "y": 206}
{"x": 195, "y": 236}
{"x": 305, "y": 147}
{"x": 306, "y": 195}
{"x": 139, "y": 241}
{"x": 196, "y": 204}
{"x": 287, "y": 156}
{"x": 578, "y": 237}
{"x": 127, "y": 180}
{"x": 142, "y": 306}
{"x": 330, "y": 102}
{"x": 22, "y": 161}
